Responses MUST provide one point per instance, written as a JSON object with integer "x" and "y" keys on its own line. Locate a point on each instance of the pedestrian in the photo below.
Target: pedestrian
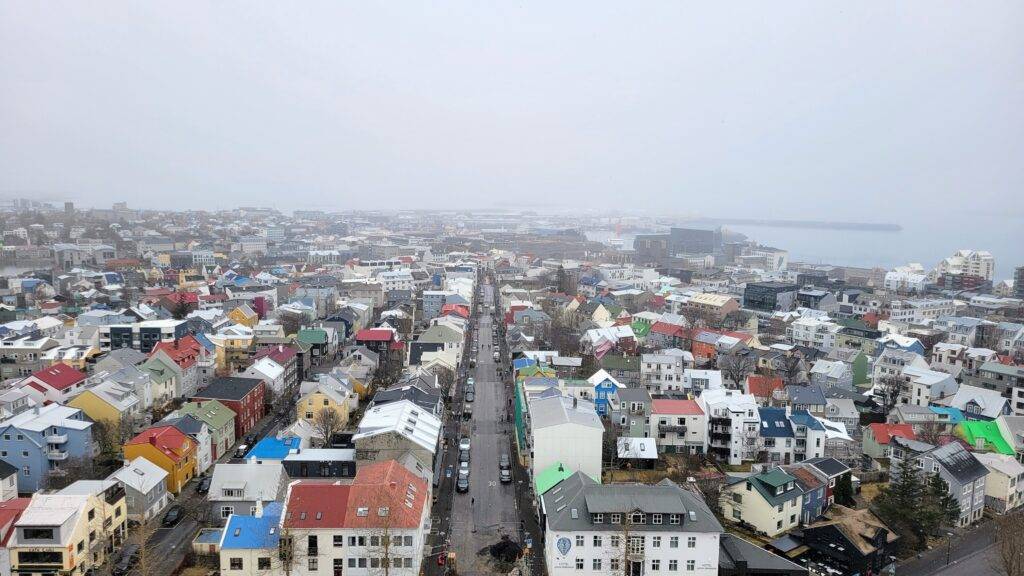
{"x": 472, "y": 501}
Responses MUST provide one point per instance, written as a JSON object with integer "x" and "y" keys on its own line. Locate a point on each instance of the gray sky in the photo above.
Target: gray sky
{"x": 788, "y": 109}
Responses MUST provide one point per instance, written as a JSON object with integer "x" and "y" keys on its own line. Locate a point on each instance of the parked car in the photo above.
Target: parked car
{"x": 470, "y": 396}
{"x": 463, "y": 455}
{"x": 463, "y": 469}
{"x": 126, "y": 561}
{"x": 464, "y": 443}
{"x": 241, "y": 450}
{"x": 449, "y": 471}
{"x": 462, "y": 485}
{"x": 504, "y": 463}
{"x": 204, "y": 485}
{"x": 496, "y": 356}
{"x": 505, "y": 475}
{"x": 173, "y": 516}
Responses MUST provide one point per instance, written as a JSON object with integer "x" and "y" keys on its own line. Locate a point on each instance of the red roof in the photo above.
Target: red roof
{"x": 10, "y": 511}
{"x": 455, "y": 309}
{"x": 60, "y": 376}
{"x": 763, "y": 386}
{"x": 374, "y": 335}
{"x": 676, "y": 407}
{"x": 183, "y": 297}
{"x": 183, "y": 351}
{"x": 168, "y": 439}
{"x": 386, "y": 485}
{"x": 280, "y": 354}
{"x": 665, "y": 328}
{"x": 157, "y": 291}
{"x": 397, "y": 345}
{"x": 317, "y": 505}
{"x": 884, "y": 433}
{"x": 213, "y": 297}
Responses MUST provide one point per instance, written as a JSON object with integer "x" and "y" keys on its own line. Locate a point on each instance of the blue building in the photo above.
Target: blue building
{"x": 604, "y": 389}
{"x": 776, "y": 432}
{"x": 40, "y": 440}
{"x": 815, "y": 500}
{"x": 274, "y": 448}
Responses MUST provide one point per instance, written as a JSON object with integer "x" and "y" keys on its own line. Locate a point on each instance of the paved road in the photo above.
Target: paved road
{"x": 969, "y": 555}
{"x": 481, "y": 517}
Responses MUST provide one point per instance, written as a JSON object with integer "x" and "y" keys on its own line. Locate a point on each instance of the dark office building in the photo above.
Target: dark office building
{"x": 1018, "y": 282}
{"x": 658, "y": 247}
{"x": 769, "y": 296}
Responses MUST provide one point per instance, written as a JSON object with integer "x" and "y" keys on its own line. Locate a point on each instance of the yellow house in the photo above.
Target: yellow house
{"x": 245, "y": 316}
{"x": 232, "y": 346}
{"x": 76, "y": 356}
{"x": 771, "y": 502}
{"x": 109, "y": 401}
{"x": 71, "y": 531}
{"x": 168, "y": 448}
{"x": 328, "y": 394}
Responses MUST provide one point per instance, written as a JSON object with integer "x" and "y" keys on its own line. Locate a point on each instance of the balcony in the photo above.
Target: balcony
{"x": 57, "y": 455}
{"x": 672, "y": 428}
{"x": 57, "y": 439}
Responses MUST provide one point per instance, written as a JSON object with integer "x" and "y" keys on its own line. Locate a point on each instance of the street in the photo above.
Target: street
{"x": 970, "y": 554}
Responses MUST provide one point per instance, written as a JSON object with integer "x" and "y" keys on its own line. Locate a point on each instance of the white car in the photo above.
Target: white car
{"x": 464, "y": 443}
{"x": 463, "y": 468}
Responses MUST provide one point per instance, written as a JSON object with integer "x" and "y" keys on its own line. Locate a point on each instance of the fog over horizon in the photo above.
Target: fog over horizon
{"x": 836, "y": 111}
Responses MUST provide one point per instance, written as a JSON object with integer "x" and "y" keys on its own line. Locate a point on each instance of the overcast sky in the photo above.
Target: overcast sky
{"x": 858, "y": 110}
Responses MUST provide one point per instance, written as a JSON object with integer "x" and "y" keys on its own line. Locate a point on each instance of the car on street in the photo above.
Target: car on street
{"x": 173, "y": 516}
{"x": 470, "y": 381}
{"x": 470, "y": 396}
{"x": 126, "y": 561}
{"x": 463, "y": 455}
{"x": 463, "y": 469}
{"x": 464, "y": 443}
{"x": 449, "y": 471}
{"x": 462, "y": 485}
{"x": 506, "y": 476}
{"x": 496, "y": 356}
{"x": 204, "y": 485}
{"x": 504, "y": 463}
{"x": 241, "y": 450}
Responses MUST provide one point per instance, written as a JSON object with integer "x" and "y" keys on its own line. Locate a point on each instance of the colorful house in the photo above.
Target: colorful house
{"x": 168, "y": 448}
{"x": 984, "y": 435}
{"x": 218, "y": 418}
{"x": 244, "y": 315}
{"x": 604, "y": 390}
{"x": 878, "y": 436}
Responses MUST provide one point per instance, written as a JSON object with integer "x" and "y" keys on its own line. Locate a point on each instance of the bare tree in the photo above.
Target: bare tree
{"x": 1009, "y": 557}
{"x": 791, "y": 369}
{"x": 888, "y": 391}
{"x": 147, "y": 558}
{"x": 327, "y": 423}
{"x": 385, "y": 537}
{"x": 929, "y": 432}
{"x": 72, "y": 470}
{"x": 109, "y": 436}
{"x": 291, "y": 323}
{"x": 736, "y": 366}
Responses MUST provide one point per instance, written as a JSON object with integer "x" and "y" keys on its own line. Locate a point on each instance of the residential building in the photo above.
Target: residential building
{"x": 679, "y": 426}
{"x": 964, "y": 474}
{"x": 399, "y": 431}
{"x": 632, "y": 411}
{"x": 219, "y": 419}
{"x": 145, "y": 486}
{"x": 733, "y": 425}
{"x": 142, "y": 336}
{"x": 57, "y": 383}
{"x": 567, "y": 431}
{"x": 812, "y": 332}
{"x": 38, "y": 441}
{"x": 328, "y": 393}
{"x": 770, "y": 502}
{"x": 920, "y": 311}
{"x": 662, "y": 373}
{"x": 322, "y": 463}
{"x": 244, "y": 396}
{"x": 168, "y": 448}
{"x": 768, "y": 297}
{"x": 592, "y": 528}
{"x": 241, "y": 489}
{"x": 968, "y": 262}
{"x": 878, "y": 438}
{"x": 1004, "y": 486}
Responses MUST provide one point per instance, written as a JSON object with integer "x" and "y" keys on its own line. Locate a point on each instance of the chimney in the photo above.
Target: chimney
{"x": 152, "y": 440}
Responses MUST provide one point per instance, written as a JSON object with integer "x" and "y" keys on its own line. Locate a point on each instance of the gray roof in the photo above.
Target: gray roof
{"x": 633, "y": 395}
{"x": 569, "y": 505}
{"x": 809, "y": 395}
{"x": 735, "y": 553}
{"x": 960, "y": 463}
{"x": 555, "y": 410}
{"x": 126, "y": 356}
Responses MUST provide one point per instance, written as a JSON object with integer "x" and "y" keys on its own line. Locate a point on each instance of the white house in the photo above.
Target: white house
{"x": 565, "y": 430}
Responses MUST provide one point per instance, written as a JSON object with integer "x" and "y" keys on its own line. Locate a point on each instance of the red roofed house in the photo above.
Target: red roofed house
{"x": 878, "y": 436}
{"x": 664, "y": 335}
{"x": 170, "y": 449}
{"x": 457, "y": 309}
{"x": 10, "y": 511}
{"x": 288, "y": 358}
{"x": 337, "y": 526}
{"x": 58, "y": 383}
{"x": 763, "y": 388}
{"x": 679, "y": 426}
{"x": 190, "y": 360}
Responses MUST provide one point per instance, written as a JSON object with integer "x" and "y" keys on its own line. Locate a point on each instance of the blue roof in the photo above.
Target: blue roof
{"x": 774, "y": 423}
{"x": 519, "y": 363}
{"x": 273, "y": 448}
{"x": 955, "y": 415}
{"x": 811, "y": 395}
{"x": 252, "y": 533}
{"x": 202, "y": 339}
{"x": 804, "y": 418}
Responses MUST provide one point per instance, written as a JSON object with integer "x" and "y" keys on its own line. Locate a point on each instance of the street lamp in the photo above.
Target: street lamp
{"x": 949, "y": 546}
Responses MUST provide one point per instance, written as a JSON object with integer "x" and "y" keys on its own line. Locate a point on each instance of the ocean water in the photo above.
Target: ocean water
{"x": 924, "y": 241}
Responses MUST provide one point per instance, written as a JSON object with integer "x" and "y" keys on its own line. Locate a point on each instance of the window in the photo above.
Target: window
{"x": 580, "y": 539}
{"x": 597, "y": 518}
{"x": 92, "y": 513}
{"x": 691, "y": 565}
{"x": 656, "y": 541}
{"x": 614, "y": 541}
{"x": 226, "y": 511}
{"x": 691, "y": 542}
{"x": 616, "y": 518}
{"x": 339, "y": 540}
{"x": 263, "y": 563}
{"x": 362, "y": 562}
{"x": 673, "y": 565}
{"x": 579, "y": 563}
{"x": 655, "y": 564}
{"x": 408, "y": 540}
{"x": 37, "y": 533}
{"x": 737, "y": 498}
{"x": 736, "y": 514}
{"x": 313, "y": 564}
{"x": 673, "y": 542}
{"x": 673, "y": 519}
{"x": 655, "y": 518}
{"x": 235, "y": 563}
{"x": 374, "y": 562}
{"x": 613, "y": 564}
{"x": 637, "y": 518}
{"x": 351, "y": 562}
{"x": 374, "y": 541}
{"x": 597, "y": 542}
{"x": 596, "y": 565}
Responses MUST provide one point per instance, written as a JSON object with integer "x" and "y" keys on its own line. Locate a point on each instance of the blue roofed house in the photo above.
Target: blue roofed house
{"x": 249, "y": 544}
{"x": 271, "y": 448}
{"x": 809, "y": 436}
{"x": 776, "y": 434}
{"x": 605, "y": 387}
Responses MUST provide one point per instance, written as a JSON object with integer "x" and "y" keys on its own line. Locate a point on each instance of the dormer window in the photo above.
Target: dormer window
{"x": 616, "y": 518}
{"x": 637, "y": 518}
{"x": 655, "y": 518}
{"x": 673, "y": 519}
{"x": 597, "y": 518}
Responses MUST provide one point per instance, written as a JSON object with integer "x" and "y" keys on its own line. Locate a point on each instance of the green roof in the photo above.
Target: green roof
{"x": 215, "y": 414}
{"x": 619, "y": 362}
{"x": 776, "y": 477}
{"x": 640, "y": 328}
{"x": 973, "y": 430}
{"x": 312, "y": 336}
{"x": 551, "y": 476}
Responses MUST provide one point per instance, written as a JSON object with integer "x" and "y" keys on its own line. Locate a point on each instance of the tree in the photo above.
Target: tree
{"x": 929, "y": 432}
{"x": 180, "y": 308}
{"x": 109, "y": 436}
{"x": 327, "y": 423}
{"x": 290, "y": 322}
{"x": 71, "y": 471}
{"x": 791, "y": 369}
{"x": 1009, "y": 557}
{"x": 888, "y": 391}
{"x": 148, "y": 557}
{"x": 938, "y": 508}
{"x": 736, "y": 366}
{"x": 898, "y": 502}
{"x": 843, "y": 492}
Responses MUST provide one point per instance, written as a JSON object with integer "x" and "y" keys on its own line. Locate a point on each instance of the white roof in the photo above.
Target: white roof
{"x": 637, "y": 448}
{"x": 140, "y": 475}
{"x": 268, "y": 368}
{"x": 404, "y": 418}
{"x": 600, "y": 376}
{"x": 830, "y": 368}
{"x": 991, "y": 402}
{"x": 556, "y": 410}
{"x": 47, "y": 416}
{"x": 1001, "y": 463}
{"x": 257, "y": 481}
{"x": 53, "y": 510}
